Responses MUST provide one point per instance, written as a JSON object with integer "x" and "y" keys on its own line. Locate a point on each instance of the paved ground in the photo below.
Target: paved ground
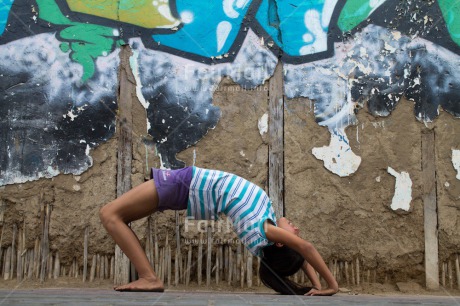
{"x": 107, "y": 297}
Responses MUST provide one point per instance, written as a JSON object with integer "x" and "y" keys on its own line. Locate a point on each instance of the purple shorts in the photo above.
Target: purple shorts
{"x": 172, "y": 187}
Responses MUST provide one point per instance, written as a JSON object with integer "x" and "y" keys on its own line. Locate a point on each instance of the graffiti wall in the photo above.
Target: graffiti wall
{"x": 60, "y": 59}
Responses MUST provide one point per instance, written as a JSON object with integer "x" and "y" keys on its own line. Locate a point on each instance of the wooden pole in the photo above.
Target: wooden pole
{"x": 430, "y": 210}
{"x": 50, "y": 266}
{"x": 189, "y": 265}
{"x": 37, "y": 258}
{"x": 199, "y": 259}
{"x": 7, "y": 268}
{"x": 124, "y": 159}
{"x": 230, "y": 264}
{"x": 276, "y": 141}
{"x": 457, "y": 271}
{"x": 92, "y": 273}
{"x": 85, "y": 254}
{"x": 357, "y": 271}
{"x": 208, "y": 257}
{"x": 347, "y": 275}
{"x": 19, "y": 257}
{"x": 45, "y": 243}
{"x": 13, "y": 251}
{"x": 249, "y": 269}
{"x": 57, "y": 266}
{"x": 30, "y": 271}
{"x": 156, "y": 247}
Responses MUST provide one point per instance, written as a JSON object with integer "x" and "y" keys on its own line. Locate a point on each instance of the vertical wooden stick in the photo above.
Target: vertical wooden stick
{"x": 208, "y": 257}
{"x": 45, "y": 243}
{"x": 176, "y": 268}
{"x": 189, "y": 265}
{"x": 30, "y": 271}
{"x": 112, "y": 267}
{"x": 98, "y": 265}
{"x": 19, "y": 257}
{"x": 276, "y": 141}
{"x": 125, "y": 150}
{"x": 7, "y": 268}
{"x": 199, "y": 259}
{"x": 221, "y": 260}
{"x": 347, "y": 275}
{"x": 169, "y": 266}
{"x": 102, "y": 265}
{"x": 50, "y": 266}
{"x": 85, "y": 253}
{"x": 230, "y": 264}
{"x": 353, "y": 280}
{"x": 226, "y": 261}
{"x": 450, "y": 273}
{"x": 106, "y": 266}
{"x": 258, "y": 268}
{"x": 249, "y": 269}
{"x": 217, "y": 267}
{"x": 457, "y": 270}
{"x": 57, "y": 266}
{"x": 238, "y": 261}
{"x": 443, "y": 275}
{"x": 242, "y": 266}
{"x": 92, "y": 273}
{"x": 357, "y": 271}
{"x": 13, "y": 251}
{"x": 157, "y": 258}
{"x": 430, "y": 209}
{"x": 37, "y": 258}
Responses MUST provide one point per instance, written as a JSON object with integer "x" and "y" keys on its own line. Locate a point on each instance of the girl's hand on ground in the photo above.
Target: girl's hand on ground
{"x": 314, "y": 291}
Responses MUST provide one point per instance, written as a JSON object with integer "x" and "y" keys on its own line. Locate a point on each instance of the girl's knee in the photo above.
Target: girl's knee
{"x": 107, "y": 215}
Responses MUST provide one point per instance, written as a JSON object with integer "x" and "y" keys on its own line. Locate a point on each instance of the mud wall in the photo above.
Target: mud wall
{"x": 362, "y": 82}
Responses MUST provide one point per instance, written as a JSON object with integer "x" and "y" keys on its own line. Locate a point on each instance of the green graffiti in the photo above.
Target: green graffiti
{"x": 451, "y": 12}
{"x": 86, "y": 42}
{"x": 353, "y": 13}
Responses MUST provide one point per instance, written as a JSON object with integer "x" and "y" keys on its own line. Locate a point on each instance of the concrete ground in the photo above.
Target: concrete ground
{"x": 108, "y": 297}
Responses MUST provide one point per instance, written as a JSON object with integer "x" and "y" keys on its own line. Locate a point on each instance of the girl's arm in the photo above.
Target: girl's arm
{"x": 308, "y": 251}
{"x": 311, "y": 274}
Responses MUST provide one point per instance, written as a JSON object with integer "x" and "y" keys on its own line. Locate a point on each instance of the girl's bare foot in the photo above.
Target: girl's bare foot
{"x": 143, "y": 284}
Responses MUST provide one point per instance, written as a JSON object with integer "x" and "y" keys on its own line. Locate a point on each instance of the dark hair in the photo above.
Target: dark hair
{"x": 277, "y": 264}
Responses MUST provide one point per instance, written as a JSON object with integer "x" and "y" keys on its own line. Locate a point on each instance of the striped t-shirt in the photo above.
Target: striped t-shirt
{"x": 247, "y": 205}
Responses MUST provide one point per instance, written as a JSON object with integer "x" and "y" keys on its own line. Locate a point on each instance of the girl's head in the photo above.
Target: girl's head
{"x": 277, "y": 264}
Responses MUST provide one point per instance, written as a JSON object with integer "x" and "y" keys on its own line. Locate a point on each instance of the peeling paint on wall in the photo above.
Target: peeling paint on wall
{"x": 262, "y": 124}
{"x": 403, "y": 190}
{"x": 456, "y": 162}
{"x": 338, "y": 156}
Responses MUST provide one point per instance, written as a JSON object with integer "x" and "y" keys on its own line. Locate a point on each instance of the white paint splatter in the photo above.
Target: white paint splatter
{"x": 187, "y": 17}
{"x": 165, "y": 11}
{"x": 456, "y": 161}
{"x": 134, "y": 64}
{"x": 262, "y": 124}
{"x": 312, "y": 20}
{"x": 338, "y": 156}
{"x": 403, "y": 190}
{"x": 223, "y": 30}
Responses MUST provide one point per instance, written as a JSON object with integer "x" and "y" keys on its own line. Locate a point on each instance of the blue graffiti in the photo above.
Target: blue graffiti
{"x": 209, "y": 28}
{"x": 5, "y": 7}
{"x": 297, "y": 27}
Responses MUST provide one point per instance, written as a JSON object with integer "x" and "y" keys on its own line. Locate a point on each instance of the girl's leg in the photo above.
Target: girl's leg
{"x": 137, "y": 203}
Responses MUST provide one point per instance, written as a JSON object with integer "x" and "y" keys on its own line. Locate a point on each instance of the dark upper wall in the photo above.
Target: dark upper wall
{"x": 60, "y": 59}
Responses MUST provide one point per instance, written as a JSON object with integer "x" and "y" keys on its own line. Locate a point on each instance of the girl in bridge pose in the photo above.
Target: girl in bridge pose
{"x": 205, "y": 194}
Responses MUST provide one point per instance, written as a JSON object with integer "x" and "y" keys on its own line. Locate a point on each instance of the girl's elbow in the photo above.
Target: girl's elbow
{"x": 307, "y": 247}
